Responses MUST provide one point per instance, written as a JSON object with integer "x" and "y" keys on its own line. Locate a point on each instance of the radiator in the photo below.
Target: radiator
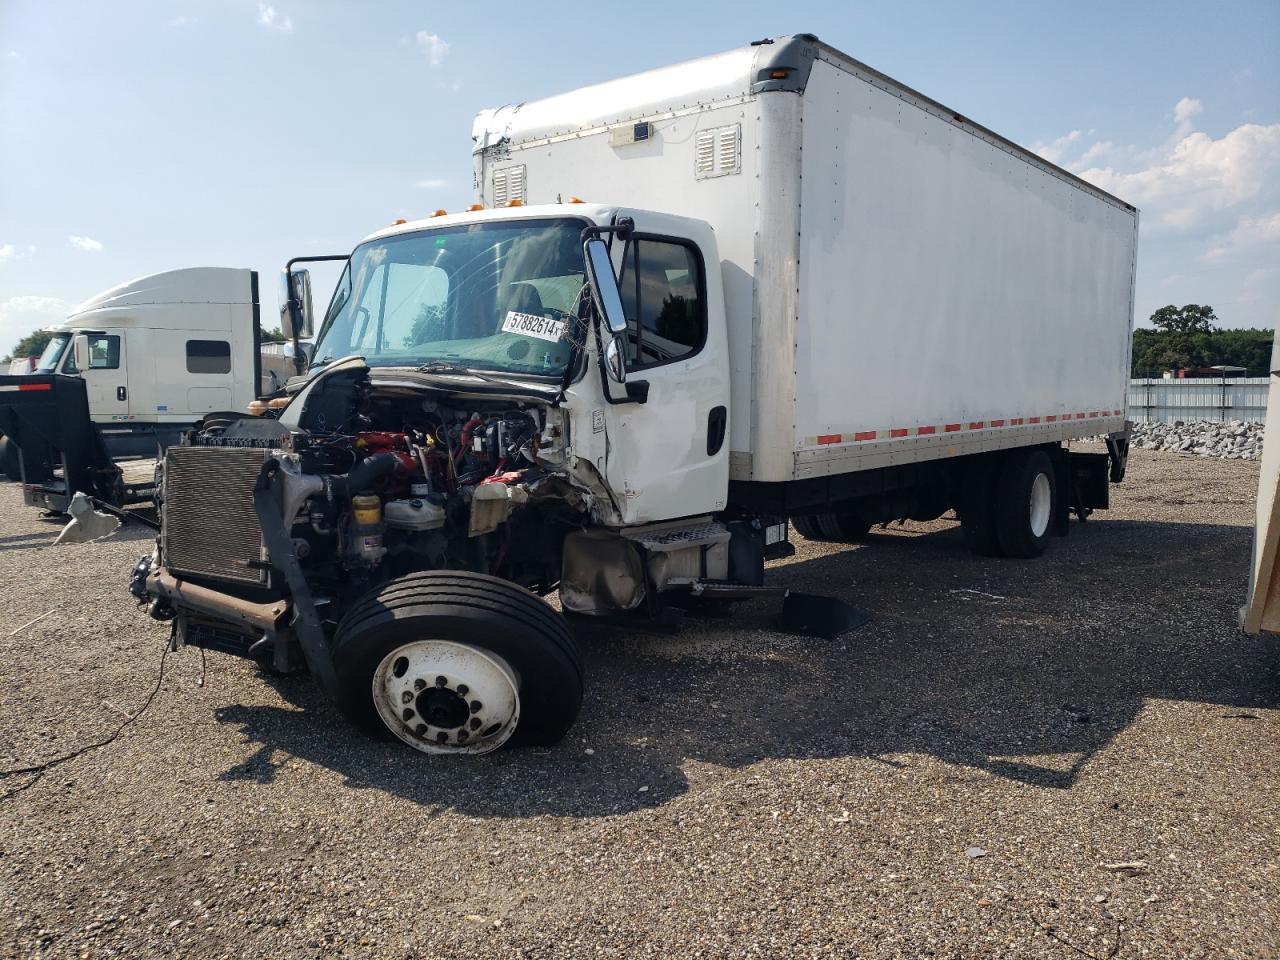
{"x": 209, "y": 525}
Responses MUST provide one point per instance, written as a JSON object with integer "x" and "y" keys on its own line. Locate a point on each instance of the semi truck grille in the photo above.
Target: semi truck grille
{"x": 210, "y": 528}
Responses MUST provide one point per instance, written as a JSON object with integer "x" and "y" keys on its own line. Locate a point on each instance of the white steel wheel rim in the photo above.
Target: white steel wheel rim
{"x": 444, "y": 697}
{"x": 1041, "y": 504}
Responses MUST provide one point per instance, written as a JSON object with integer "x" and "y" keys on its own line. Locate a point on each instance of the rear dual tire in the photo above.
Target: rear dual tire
{"x": 457, "y": 662}
{"x": 847, "y": 527}
{"x": 1008, "y": 505}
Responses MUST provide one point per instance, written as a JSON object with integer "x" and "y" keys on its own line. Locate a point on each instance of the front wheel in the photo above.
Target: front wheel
{"x": 457, "y": 662}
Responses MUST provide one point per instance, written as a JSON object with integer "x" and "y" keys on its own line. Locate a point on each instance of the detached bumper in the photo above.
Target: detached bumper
{"x": 182, "y": 597}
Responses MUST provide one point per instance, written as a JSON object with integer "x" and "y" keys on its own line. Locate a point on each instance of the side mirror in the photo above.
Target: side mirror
{"x": 296, "y": 316}
{"x": 615, "y": 361}
{"x": 604, "y": 285}
{"x": 80, "y": 345}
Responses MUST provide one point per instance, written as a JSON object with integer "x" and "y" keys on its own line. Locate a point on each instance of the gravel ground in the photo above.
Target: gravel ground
{"x": 945, "y": 781}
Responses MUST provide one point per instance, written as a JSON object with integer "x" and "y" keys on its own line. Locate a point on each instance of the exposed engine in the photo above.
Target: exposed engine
{"x": 376, "y": 483}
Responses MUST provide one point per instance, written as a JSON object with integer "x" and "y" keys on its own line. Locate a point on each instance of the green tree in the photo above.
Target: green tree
{"x": 32, "y": 345}
{"x": 274, "y": 335}
{"x": 1189, "y": 319}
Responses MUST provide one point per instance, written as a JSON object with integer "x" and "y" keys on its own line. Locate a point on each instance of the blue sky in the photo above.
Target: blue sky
{"x": 141, "y": 136}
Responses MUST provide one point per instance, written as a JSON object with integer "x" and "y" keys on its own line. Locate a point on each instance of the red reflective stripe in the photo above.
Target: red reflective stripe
{"x": 24, "y": 387}
{"x": 951, "y": 427}
{"x": 1051, "y": 419}
{"x": 1033, "y": 420}
{"x": 923, "y": 431}
{"x": 829, "y": 438}
{"x": 1080, "y": 416}
{"x": 1016, "y": 422}
{"x": 899, "y": 432}
{"x": 865, "y": 435}
{"x": 1093, "y": 413}
{"x": 997, "y": 423}
{"x": 976, "y": 425}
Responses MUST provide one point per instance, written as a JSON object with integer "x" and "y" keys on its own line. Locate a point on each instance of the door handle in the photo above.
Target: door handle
{"x": 120, "y": 393}
{"x": 716, "y": 422}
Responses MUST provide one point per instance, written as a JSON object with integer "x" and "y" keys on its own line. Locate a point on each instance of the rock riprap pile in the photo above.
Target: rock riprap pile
{"x": 1226, "y": 440}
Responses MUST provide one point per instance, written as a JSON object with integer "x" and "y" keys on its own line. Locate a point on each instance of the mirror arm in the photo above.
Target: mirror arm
{"x": 295, "y": 308}
{"x": 637, "y": 390}
{"x": 624, "y": 227}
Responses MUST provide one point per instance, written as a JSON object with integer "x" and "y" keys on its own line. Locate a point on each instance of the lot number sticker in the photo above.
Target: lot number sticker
{"x": 532, "y": 325}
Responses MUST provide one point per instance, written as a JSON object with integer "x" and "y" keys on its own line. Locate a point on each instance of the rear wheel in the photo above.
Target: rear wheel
{"x": 845, "y": 527}
{"x": 9, "y": 459}
{"x": 457, "y": 662}
{"x": 977, "y": 507}
{"x": 1026, "y": 502}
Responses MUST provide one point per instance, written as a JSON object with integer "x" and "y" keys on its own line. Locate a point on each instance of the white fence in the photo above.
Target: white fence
{"x": 1231, "y": 398}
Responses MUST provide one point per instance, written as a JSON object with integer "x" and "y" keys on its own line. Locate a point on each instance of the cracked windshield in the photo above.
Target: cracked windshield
{"x": 498, "y": 297}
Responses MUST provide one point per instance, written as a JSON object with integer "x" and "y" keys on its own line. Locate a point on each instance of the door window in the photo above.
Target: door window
{"x": 104, "y": 352}
{"x": 663, "y": 298}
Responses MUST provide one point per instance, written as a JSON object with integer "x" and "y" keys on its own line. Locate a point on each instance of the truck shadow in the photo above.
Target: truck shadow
{"x": 969, "y": 667}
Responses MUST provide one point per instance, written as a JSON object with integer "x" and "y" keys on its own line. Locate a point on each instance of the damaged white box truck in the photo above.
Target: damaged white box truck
{"x": 799, "y": 292}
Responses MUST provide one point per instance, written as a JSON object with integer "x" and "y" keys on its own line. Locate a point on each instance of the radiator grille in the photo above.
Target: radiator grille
{"x": 210, "y": 528}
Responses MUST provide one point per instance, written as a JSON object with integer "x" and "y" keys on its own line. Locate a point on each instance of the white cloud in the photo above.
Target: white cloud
{"x": 178, "y": 22}
{"x": 11, "y": 251}
{"x": 1249, "y": 233}
{"x": 1195, "y": 181}
{"x": 1055, "y": 150}
{"x": 431, "y": 184}
{"x": 269, "y": 18}
{"x": 1183, "y": 111}
{"x": 12, "y": 54}
{"x": 87, "y": 244}
{"x": 435, "y": 48}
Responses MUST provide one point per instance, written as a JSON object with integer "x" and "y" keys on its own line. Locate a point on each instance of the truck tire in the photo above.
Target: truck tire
{"x": 977, "y": 507}
{"x": 847, "y": 527}
{"x": 9, "y": 459}
{"x": 457, "y": 662}
{"x": 1026, "y": 503}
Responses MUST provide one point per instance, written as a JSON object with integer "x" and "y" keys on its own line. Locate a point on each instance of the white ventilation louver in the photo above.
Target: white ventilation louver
{"x": 508, "y": 185}
{"x": 717, "y": 152}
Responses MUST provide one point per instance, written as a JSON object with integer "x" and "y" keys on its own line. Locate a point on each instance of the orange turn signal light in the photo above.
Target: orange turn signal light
{"x": 396, "y": 223}
{"x": 778, "y": 74}
{"x": 475, "y": 206}
{"x": 515, "y": 203}
{"x": 576, "y": 200}
{"x": 441, "y": 213}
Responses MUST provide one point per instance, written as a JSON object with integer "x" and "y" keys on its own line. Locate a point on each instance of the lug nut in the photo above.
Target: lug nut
{"x": 408, "y": 714}
{"x": 442, "y": 737}
{"x": 463, "y": 689}
{"x": 442, "y": 681}
{"x": 476, "y": 706}
{"x": 419, "y": 684}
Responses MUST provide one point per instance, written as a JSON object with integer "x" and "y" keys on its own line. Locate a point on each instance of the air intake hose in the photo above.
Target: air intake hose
{"x": 361, "y": 476}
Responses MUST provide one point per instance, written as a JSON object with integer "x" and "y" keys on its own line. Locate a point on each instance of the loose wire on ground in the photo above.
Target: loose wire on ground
{"x": 40, "y": 769}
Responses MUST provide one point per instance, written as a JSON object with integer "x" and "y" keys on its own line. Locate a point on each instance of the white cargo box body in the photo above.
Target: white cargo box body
{"x": 901, "y": 284}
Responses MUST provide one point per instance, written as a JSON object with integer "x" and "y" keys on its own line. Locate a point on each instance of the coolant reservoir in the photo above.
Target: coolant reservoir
{"x": 413, "y": 514}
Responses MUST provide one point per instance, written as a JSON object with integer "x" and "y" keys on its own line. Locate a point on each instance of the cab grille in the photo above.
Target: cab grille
{"x": 209, "y": 525}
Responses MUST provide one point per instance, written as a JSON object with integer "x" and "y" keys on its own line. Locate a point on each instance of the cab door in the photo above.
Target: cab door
{"x": 106, "y": 376}
{"x": 669, "y": 456}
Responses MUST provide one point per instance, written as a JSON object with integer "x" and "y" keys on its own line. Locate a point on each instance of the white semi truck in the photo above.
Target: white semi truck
{"x": 154, "y": 356}
{"x": 799, "y": 292}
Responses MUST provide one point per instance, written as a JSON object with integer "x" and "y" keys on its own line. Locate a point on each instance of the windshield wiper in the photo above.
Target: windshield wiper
{"x": 449, "y": 368}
